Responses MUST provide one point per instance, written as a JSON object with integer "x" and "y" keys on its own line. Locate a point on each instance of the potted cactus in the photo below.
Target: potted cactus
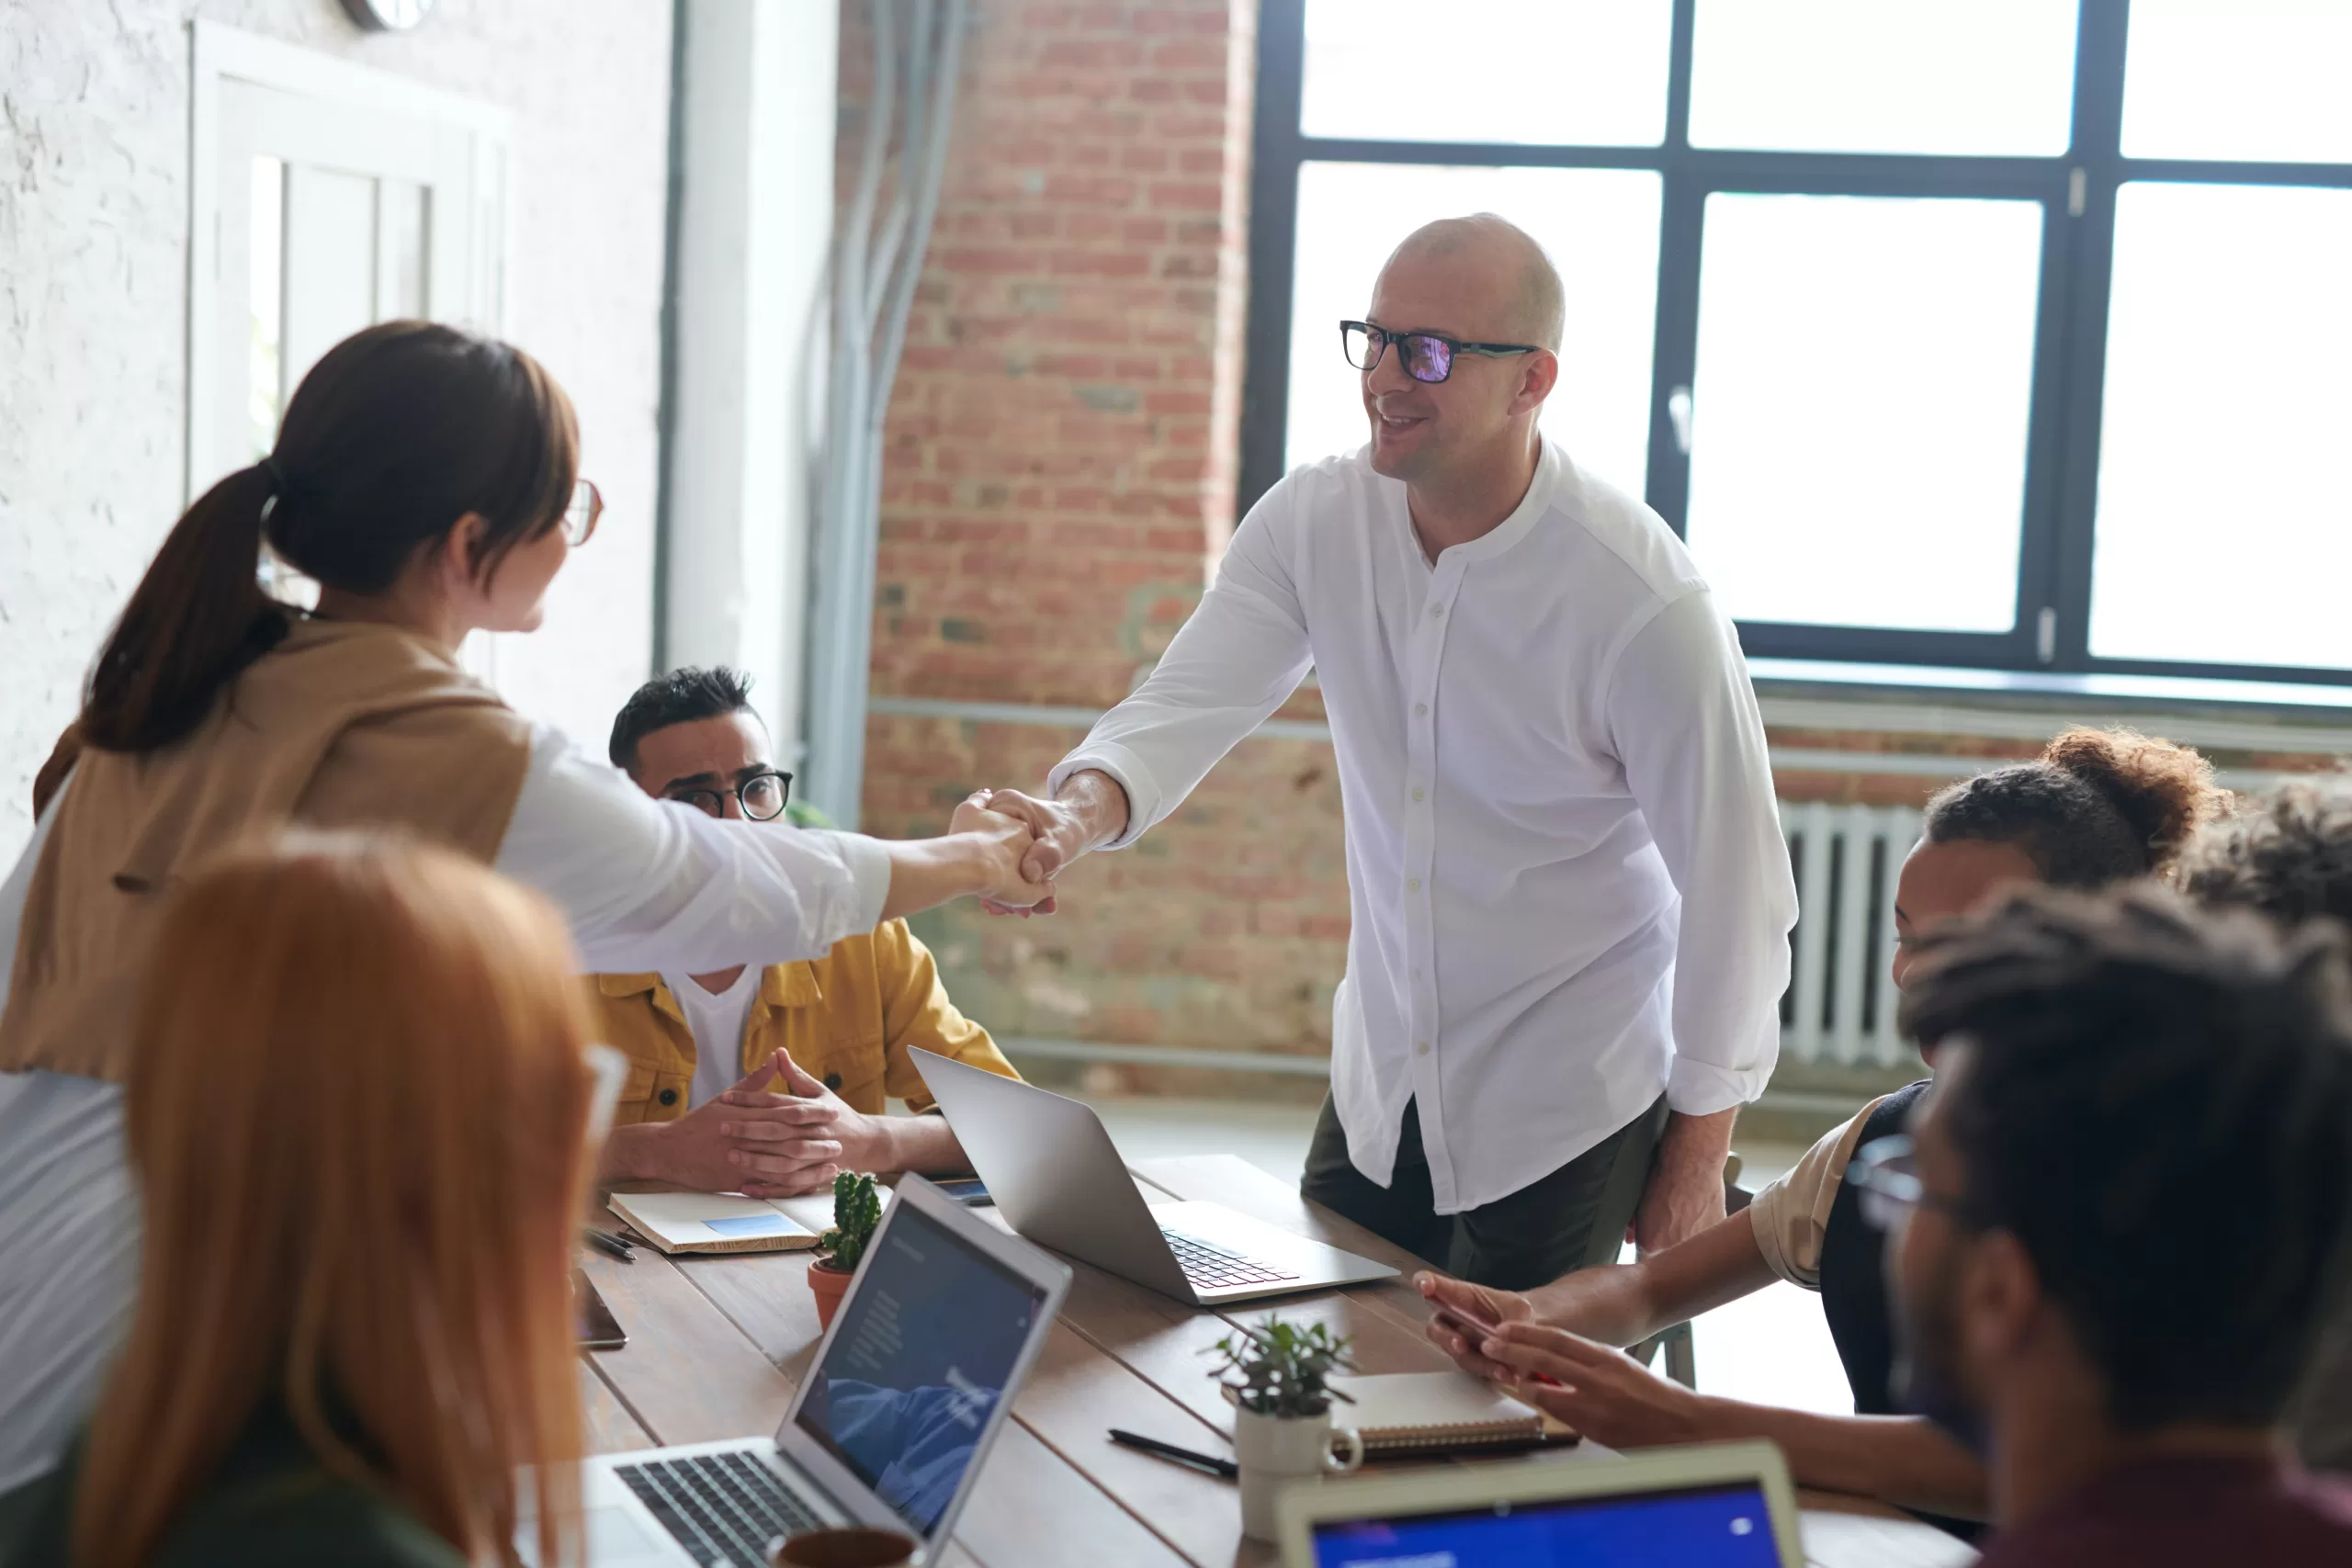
{"x": 857, "y": 1209}
{"x": 1277, "y": 1377}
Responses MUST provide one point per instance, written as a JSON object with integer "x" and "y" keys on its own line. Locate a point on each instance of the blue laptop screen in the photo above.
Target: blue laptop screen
{"x": 1726, "y": 1526}
{"x": 925, "y": 1345}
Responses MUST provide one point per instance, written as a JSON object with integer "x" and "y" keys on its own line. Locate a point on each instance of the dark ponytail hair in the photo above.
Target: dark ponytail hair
{"x": 396, "y": 433}
{"x": 2098, "y": 806}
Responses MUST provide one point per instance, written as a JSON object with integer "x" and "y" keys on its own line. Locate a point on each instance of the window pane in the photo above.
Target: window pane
{"x": 1580, "y": 72}
{"x": 2256, "y": 79}
{"x": 2225, "y": 522}
{"x": 1601, "y": 226}
{"x": 1989, "y": 77}
{"x": 1865, "y": 370}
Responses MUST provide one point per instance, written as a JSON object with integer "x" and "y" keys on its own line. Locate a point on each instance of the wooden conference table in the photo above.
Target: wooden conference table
{"x": 715, "y": 1346}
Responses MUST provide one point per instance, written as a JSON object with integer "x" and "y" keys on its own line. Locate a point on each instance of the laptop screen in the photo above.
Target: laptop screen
{"x": 1713, "y": 1527}
{"x": 924, "y": 1346}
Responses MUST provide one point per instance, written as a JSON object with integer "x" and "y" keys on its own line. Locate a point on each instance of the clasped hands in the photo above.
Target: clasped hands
{"x": 1597, "y": 1389}
{"x": 767, "y": 1143}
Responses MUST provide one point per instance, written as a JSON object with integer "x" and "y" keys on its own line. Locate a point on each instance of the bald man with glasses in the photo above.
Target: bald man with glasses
{"x": 1570, "y": 895}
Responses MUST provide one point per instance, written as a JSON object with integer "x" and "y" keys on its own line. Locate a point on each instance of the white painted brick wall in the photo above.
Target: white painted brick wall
{"x": 93, "y": 303}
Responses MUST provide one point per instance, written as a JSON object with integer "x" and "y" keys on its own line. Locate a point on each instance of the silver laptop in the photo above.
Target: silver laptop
{"x": 938, "y": 1332}
{"x": 1058, "y": 1180}
{"x": 1710, "y": 1505}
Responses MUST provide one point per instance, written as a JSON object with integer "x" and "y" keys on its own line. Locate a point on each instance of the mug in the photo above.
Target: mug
{"x": 853, "y": 1548}
{"x": 1276, "y": 1452}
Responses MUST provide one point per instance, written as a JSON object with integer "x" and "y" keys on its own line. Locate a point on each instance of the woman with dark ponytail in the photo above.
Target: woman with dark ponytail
{"x": 2098, "y": 806}
{"x": 427, "y": 480}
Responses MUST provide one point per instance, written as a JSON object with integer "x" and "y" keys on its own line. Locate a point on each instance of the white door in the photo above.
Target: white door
{"x": 329, "y": 197}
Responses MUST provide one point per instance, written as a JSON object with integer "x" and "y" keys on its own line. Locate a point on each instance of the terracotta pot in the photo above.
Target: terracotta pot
{"x": 828, "y": 1284}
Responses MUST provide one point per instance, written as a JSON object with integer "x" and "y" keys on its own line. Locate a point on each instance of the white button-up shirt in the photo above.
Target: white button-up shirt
{"x": 1557, "y": 800}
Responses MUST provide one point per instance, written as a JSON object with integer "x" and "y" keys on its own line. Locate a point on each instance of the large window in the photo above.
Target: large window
{"x": 2015, "y": 333}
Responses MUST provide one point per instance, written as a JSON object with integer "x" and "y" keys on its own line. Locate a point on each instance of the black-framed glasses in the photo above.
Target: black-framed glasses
{"x": 1886, "y": 1172}
{"x": 763, "y": 797}
{"x": 580, "y": 518}
{"x": 1427, "y": 356}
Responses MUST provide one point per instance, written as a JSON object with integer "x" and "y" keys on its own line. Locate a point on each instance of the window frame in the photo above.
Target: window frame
{"x": 2076, "y": 190}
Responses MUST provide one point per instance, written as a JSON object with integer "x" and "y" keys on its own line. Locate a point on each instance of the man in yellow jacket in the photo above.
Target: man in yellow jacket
{"x": 767, "y": 1081}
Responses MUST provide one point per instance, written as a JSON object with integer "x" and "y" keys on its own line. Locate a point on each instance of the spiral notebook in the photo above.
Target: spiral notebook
{"x": 1399, "y": 1415}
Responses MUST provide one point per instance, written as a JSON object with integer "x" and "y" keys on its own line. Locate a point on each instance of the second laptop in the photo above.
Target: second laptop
{"x": 1058, "y": 1180}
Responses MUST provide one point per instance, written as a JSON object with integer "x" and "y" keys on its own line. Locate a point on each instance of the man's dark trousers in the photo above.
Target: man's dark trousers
{"x": 1572, "y": 1219}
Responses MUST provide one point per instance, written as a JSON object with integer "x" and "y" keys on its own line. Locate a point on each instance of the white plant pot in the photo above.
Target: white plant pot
{"x": 1277, "y": 1451}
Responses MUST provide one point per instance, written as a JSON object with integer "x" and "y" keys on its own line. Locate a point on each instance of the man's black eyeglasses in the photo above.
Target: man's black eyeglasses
{"x": 1425, "y": 355}
{"x": 762, "y": 796}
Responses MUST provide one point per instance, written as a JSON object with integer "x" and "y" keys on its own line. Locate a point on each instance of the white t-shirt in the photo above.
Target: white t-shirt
{"x": 716, "y": 1020}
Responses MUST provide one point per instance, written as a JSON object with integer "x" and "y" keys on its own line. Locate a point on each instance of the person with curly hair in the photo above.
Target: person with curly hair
{"x": 2288, "y": 853}
{"x": 2098, "y": 806}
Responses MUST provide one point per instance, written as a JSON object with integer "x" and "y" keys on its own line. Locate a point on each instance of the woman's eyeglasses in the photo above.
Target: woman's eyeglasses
{"x": 1426, "y": 357}
{"x": 580, "y": 518}
{"x": 762, "y": 796}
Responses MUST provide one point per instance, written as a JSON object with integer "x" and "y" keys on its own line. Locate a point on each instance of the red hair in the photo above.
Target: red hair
{"x": 358, "y": 1107}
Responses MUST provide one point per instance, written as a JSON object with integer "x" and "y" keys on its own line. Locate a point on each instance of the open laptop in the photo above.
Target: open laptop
{"x": 940, "y": 1328}
{"x": 1058, "y": 1180}
{"x": 1708, "y": 1505}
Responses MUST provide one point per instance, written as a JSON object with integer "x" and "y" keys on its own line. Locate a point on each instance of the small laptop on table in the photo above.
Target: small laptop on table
{"x": 1708, "y": 1505}
{"x": 937, "y": 1333}
{"x": 1057, "y": 1179}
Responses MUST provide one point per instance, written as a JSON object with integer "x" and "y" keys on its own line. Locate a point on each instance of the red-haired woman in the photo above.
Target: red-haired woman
{"x": 354, "y": 1326}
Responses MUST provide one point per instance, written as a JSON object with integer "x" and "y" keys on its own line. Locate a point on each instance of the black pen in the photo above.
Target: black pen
{"x": 1210, "y": 1462}
{"x": 609, "y": 1245}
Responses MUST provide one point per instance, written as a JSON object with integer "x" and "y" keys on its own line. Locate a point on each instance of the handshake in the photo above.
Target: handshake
{"x": 1021, "y": 843}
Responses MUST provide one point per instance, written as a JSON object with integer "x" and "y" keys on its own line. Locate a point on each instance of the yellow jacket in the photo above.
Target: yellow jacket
{"x": 847, "y": 1018}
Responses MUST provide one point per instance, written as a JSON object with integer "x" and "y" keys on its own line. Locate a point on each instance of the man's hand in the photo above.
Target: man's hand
{"x": 1603, "y": 1393}
{"x": 860, "y": 1141}
{"x": 1091, "y": 808}
{"x": 1007, "y": 844}
{"x": 1494, "y": 1306}
{"x": 1685, "y": 1195}
{"x": 748, "y": 1140}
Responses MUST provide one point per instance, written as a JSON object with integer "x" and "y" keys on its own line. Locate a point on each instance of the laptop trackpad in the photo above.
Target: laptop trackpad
{"x": 616, "y": 1537}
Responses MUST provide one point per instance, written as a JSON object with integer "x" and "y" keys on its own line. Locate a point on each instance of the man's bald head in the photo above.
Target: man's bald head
{"x": 1525, "y": 286}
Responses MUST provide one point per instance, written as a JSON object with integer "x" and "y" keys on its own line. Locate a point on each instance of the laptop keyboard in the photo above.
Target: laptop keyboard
{"x": 724, "y": 1508}
{"x": 1214, "y": 1268}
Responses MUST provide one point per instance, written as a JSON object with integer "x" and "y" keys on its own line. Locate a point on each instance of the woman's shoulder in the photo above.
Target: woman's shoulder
{"x": 274, "y": 1507}
{"x": 304, "y": 1514}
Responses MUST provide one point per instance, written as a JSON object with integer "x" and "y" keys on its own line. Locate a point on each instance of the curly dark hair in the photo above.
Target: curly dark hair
{"x": 2157, "y": 1103}
{"x": 2287, "y": 853}
{"x": 679, "y": 698}
{"x": 2098, "y": 806}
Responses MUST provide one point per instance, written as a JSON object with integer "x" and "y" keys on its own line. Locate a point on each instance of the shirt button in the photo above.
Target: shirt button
{"x": 1437, "y": 612}
{"x": 1417, "y": 795}
{"x": 668, "y": 1097}
{"x": 1421, "y": 1047}
{"x": 1413, "y": 884}
{"x": 1421, "y": 710}
{"x": 833, "y": 1082}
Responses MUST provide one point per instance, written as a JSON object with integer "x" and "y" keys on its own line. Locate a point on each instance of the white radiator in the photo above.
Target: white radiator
{"x": 1840, "y": 1004}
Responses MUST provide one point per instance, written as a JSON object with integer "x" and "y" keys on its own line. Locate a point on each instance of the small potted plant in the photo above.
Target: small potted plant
{"x": 1277, "y": 1377}
{"x": 857, "y": 1209}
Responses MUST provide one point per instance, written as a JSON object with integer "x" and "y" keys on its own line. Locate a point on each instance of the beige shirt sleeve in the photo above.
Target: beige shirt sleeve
{"x": 1792, "y": 1214}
